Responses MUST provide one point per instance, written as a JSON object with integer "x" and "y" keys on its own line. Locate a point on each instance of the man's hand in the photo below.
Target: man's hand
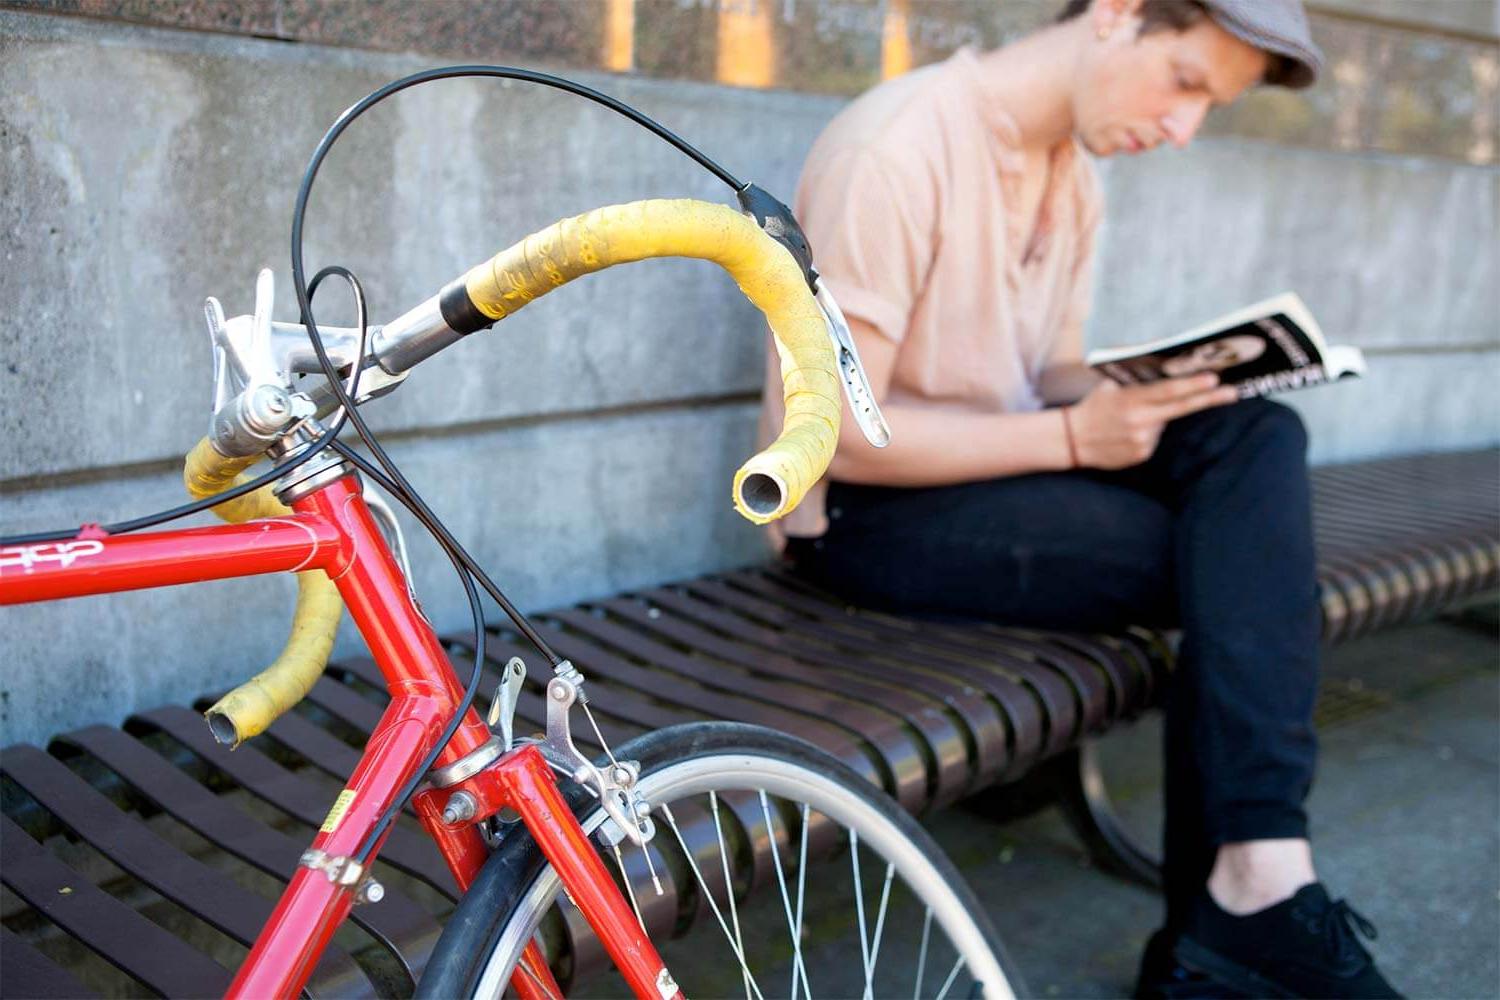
{"x": 1116, "y": 426}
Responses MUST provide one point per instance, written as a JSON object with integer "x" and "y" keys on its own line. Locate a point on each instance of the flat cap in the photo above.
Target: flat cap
{"x": 1278, "y": 27}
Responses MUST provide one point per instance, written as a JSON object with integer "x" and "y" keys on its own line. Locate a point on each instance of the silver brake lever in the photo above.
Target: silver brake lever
{"x": 507, "y": 694}
{"x": 852, "y": 373}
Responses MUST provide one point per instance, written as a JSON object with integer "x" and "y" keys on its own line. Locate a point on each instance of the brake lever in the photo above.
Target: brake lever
{"x": 778, "y": 222}
{"x": 856, "y": 383}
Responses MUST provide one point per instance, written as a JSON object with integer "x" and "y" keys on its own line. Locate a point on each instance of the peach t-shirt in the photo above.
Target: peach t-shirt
{"x": 904, "y": 199}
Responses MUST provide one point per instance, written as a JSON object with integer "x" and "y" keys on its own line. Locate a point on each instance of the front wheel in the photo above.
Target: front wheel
{"x": 782, "y": 873}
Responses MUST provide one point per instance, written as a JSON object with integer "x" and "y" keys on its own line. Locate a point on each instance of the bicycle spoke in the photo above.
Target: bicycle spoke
{"x": 536, "y": 980}
{"x": 801, "y": 898}
{"x": 734, "y": 912}
{"x": 629, "y": 888}
{"x": 885, "y": 898}
{"x": 794, "y": 929}
{"x": 720, "y": 772}
{"x": 959, "y": 964}
{"x": 859, "y": 908}
{"x": 916, "y": 991}
{"x": 713, "y": 905}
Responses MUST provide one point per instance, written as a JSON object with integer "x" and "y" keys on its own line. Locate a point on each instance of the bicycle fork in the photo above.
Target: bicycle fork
{"x": 523, "y": 781}
{"x": 529, "y": 787}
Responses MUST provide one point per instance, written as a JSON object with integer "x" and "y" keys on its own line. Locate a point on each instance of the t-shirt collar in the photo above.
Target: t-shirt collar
{"x": 996, "y": 118}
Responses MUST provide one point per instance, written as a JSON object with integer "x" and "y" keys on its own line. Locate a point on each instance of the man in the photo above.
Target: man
{"x": 953, "y": 214}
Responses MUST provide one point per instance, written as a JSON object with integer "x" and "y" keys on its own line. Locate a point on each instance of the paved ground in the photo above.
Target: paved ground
{"x": 1406, "y": 814}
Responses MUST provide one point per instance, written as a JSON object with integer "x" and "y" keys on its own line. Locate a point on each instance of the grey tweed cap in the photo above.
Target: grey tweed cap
{"x": 1278, "y": 27}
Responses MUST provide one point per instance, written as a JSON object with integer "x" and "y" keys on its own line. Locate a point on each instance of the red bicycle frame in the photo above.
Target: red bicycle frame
{"x": 332, "y": 530}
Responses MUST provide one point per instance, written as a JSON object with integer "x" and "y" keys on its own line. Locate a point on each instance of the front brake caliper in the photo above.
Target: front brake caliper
{"x": 614, "y": 785}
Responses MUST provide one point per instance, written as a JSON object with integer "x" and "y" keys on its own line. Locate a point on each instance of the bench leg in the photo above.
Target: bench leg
{"x": 1481, "y": 613}
{"x": 1086, "y": 806}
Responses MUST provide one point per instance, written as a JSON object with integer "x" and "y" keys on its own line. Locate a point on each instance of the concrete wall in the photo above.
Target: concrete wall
{"x": 1477, "y": 16}
{"x": 1398, "y": 255}
{"x": 583, "y": 447}
{"x": 586, "y": 445}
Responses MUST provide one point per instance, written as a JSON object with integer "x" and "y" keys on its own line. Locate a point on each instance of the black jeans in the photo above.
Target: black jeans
{"x": 1212, "y": 535}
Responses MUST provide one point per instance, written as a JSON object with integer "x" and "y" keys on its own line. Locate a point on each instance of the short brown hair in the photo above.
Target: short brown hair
{"x": 1156, "y": 15}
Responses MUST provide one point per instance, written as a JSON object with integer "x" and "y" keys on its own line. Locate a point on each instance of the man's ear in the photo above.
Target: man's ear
{"x": 1107, "y": 16}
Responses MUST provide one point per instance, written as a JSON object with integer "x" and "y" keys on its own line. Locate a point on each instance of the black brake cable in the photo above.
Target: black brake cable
{"x": 325, "y": 144}
{"x": 393, "y": 481}
{"x": 404, "y": 490}
{"x": 185, "y": 510}
{"x": 476, "y": 675}
{"x": 408, "y": 496}
{"x": 528, "y": 76}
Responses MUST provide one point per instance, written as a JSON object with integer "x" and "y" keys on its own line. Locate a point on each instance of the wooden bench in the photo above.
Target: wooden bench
{"x": 146, "y": 855}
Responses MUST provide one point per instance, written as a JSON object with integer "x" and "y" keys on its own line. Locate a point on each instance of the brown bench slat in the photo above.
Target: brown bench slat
{"x": 881, "y": 730}
{"x": 987, "y": 721}
{"x": 1401, "y": 538}
{"x": 204, "y": 892}
{"x": 595, "y": 662}
{"x": 345, "y": 704}
{"x": 400, "y": 924}
{"x": 126, "y": 939}
{"x": 998, "y": 732}
{"x": 983, "y": 721}
{"x": 1082, "y": 667}
{"x": 1132, "y": 668}
{"x": 1390, "y": 587}
{"x": 26, "y": 972}
{"x": 1060, "y": 699}
{"x": 1078, "y": 666}
{"x": 1000, "y": 677}
{"x": 295, "y": 795}
{"x": 925, "y": 717}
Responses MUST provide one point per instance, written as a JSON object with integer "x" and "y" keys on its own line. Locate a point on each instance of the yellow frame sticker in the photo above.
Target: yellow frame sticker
{"x": 340, "y": 806}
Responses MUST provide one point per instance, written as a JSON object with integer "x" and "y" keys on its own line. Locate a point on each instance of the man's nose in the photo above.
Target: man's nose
{"x": 1184, "y": 120}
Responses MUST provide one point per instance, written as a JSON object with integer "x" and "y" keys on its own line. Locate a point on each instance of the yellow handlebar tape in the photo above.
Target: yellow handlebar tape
{"x": 773, "y": 482}
{"x": 766, "y": 487}
{"x": 251, "y": 708}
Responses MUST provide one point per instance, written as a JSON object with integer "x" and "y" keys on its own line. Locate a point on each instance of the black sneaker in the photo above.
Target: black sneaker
{"x": 1305, "y": 946}
{"x": 1163, "y": 977}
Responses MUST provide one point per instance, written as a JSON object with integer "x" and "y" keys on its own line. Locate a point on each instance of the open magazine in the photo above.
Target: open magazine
{"x": 1271, "y": 346}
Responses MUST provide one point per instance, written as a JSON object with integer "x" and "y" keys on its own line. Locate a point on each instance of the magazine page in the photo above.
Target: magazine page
{"x": 1288, "y": 304}
{"x": 1343, "y": 360}
{"x": 1269, "y": 347}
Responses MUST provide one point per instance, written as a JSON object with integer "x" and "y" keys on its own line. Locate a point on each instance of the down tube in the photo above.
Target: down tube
{"x": 425, "y": 694}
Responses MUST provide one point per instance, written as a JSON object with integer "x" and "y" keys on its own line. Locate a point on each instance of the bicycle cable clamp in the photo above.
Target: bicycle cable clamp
{"x": 345, "y": 872}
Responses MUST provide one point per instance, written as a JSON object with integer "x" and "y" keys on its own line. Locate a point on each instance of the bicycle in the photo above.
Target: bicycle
{"x": 510, "y": 835}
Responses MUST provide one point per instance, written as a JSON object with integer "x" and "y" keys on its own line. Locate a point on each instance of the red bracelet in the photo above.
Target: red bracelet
{"x": 1072, "y": 445}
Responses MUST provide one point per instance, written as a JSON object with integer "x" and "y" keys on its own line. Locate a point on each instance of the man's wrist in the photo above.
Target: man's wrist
{"x": 1069, "y": 438}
